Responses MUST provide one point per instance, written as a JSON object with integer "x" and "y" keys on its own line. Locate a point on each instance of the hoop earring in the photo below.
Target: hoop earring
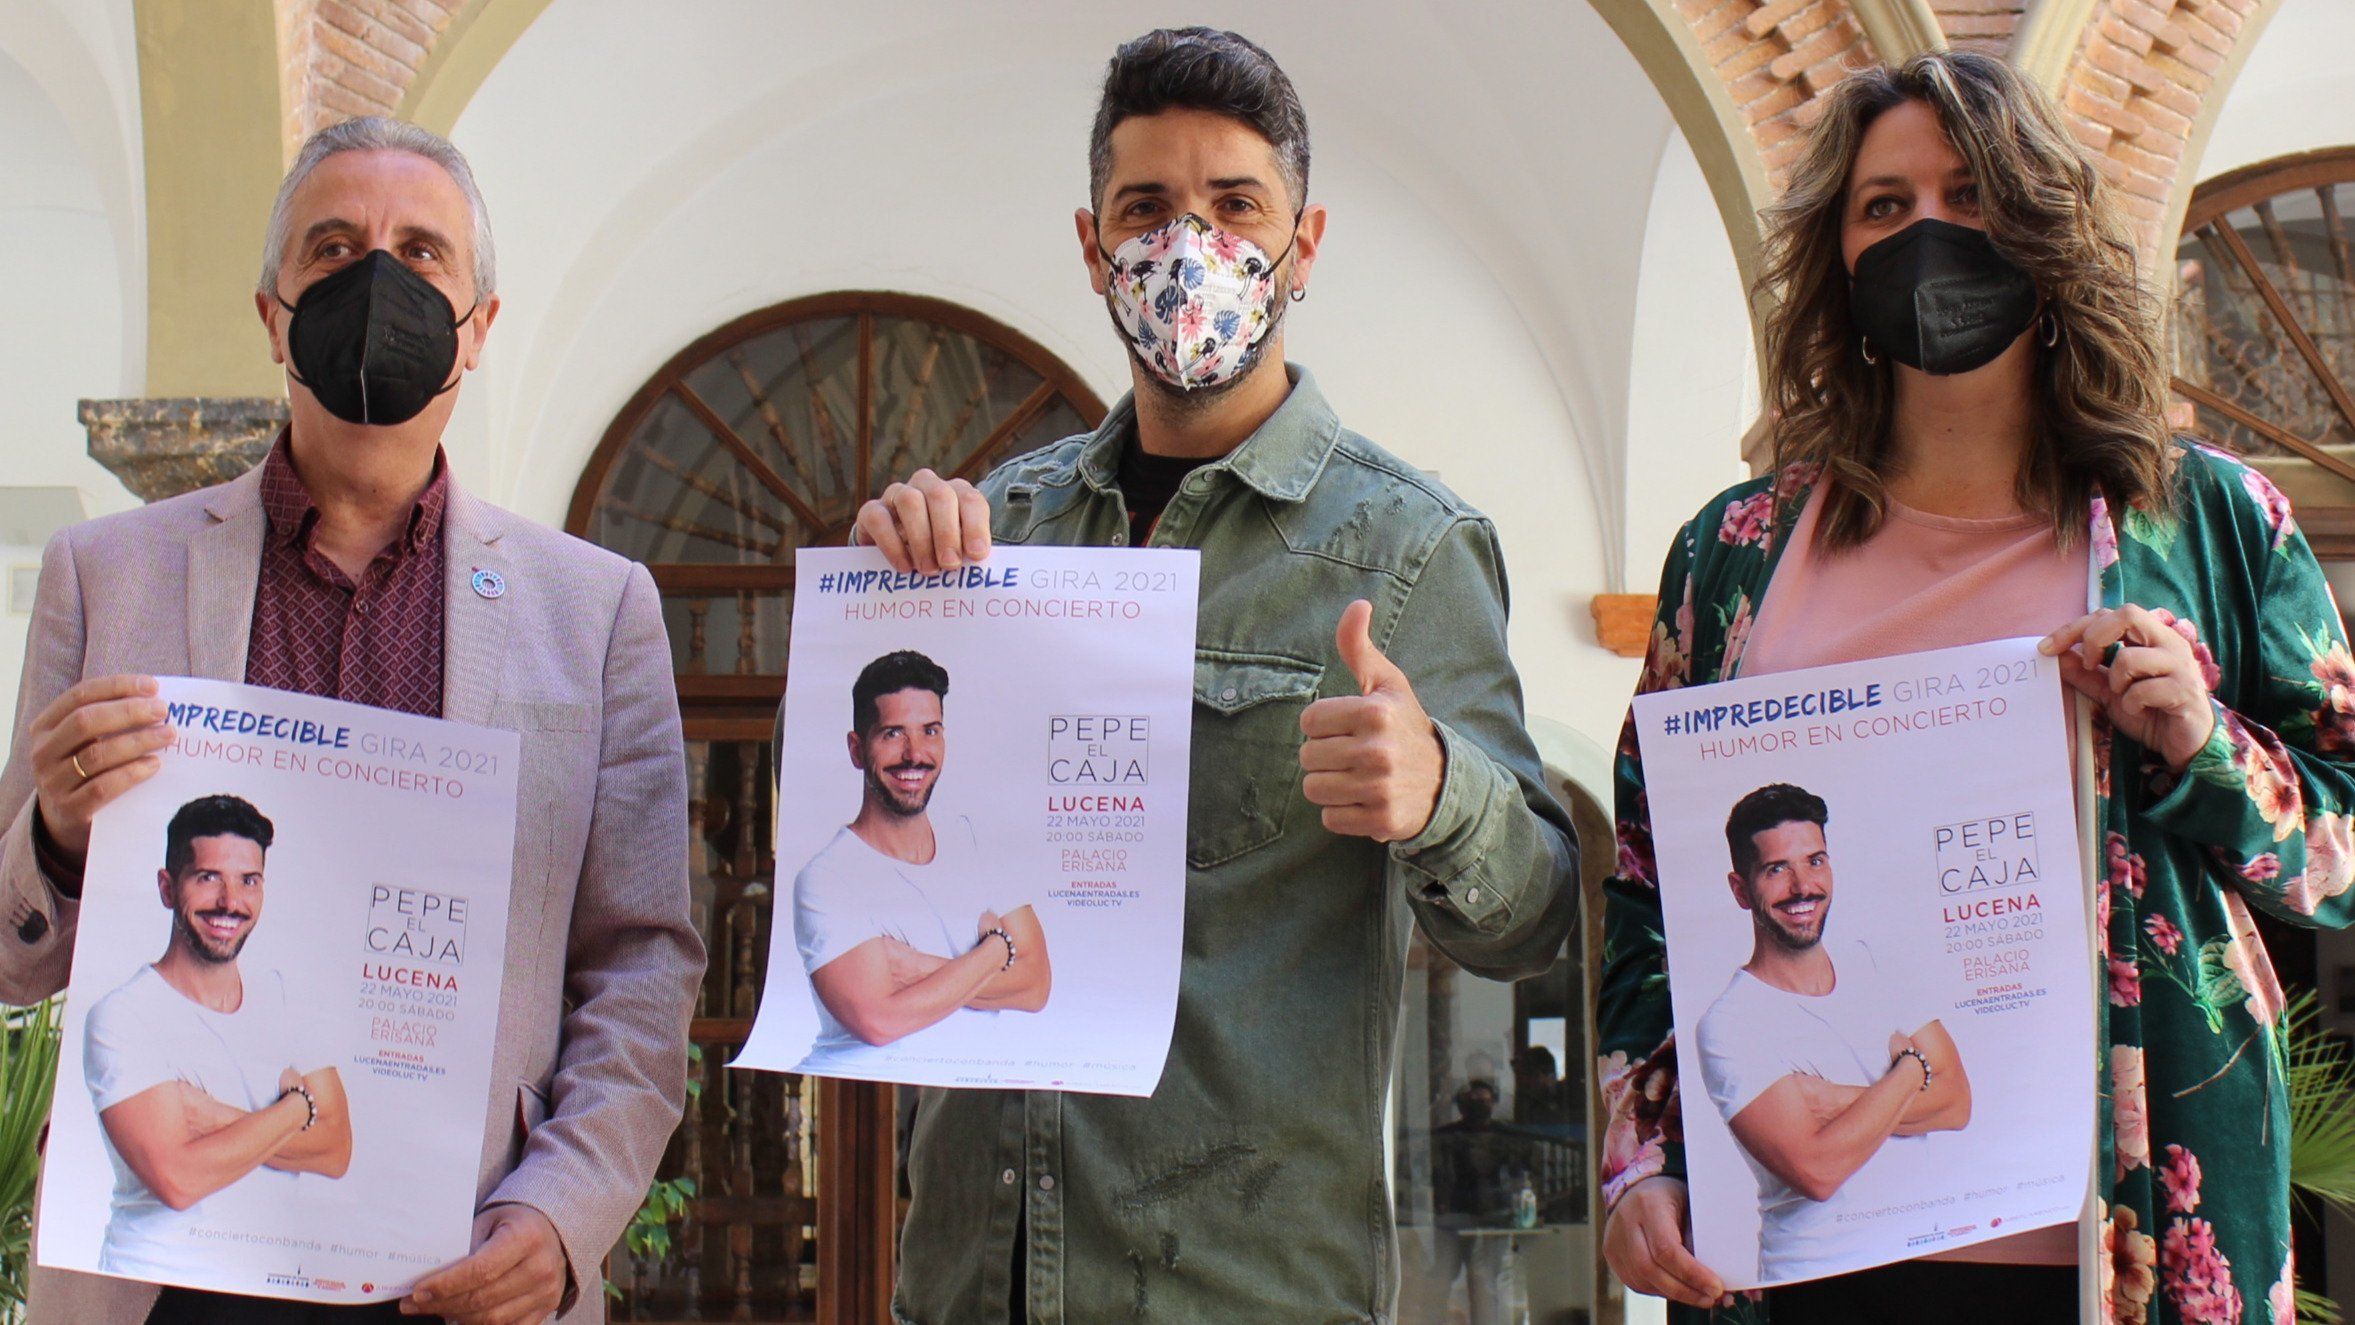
{"x": 2052, "y": 331}
{"x": 1299, "y": 293}
{"x": 1864, "y": 350}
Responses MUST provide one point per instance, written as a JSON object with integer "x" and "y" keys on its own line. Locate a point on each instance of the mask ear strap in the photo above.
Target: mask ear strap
{"x": 290, "y": 372}
{"x": 460, "y": 375}
{"x": 446, "y": 387}
{"x": 1278, "y": 260}
{"x": 1275, "y": 262}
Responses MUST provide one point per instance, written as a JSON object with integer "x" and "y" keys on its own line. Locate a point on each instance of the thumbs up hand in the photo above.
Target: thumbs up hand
{"x": 1372, "y": 760}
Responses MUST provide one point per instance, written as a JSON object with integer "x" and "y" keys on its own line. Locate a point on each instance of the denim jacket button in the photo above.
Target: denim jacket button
{"x": 1007, "y": 1177}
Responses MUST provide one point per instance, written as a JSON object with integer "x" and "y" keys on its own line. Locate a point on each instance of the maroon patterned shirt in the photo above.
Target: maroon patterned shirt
{"x": 377, "y": 641}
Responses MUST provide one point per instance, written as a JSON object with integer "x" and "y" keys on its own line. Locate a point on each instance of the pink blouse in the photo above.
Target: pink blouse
{"x": 1923, "y": 581}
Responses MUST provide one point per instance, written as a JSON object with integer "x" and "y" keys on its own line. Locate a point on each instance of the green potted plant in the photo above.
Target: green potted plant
{"x": 28, "y": 1072}
{"x": 648, "y": 1237}
{"x": 2321, "y": 1078}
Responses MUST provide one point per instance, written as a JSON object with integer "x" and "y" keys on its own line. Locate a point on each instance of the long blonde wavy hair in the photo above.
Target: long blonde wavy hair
{"x": 2101, "y": 390}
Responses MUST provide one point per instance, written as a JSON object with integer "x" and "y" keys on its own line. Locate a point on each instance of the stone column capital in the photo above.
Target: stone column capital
{"x": 163, "y": 446}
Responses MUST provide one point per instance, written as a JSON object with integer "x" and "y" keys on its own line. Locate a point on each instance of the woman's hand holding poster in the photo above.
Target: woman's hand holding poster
{"x": 285, "y": 1100}
{"x": 1878, "y": 957}
{"x": 981, "y": 826}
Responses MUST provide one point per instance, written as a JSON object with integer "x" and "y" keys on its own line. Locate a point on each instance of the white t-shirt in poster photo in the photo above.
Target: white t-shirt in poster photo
{"x": 1755, "y": 1035}
{"x": 850, "y": 893}
{"x": 1047, "y": 696}
{"x": 145, "y": 1034}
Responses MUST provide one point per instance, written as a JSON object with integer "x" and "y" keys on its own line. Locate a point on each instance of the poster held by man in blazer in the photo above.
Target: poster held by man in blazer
{"x": 352, "y": 564}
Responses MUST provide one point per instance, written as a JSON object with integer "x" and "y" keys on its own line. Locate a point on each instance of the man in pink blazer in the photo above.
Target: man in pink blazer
{"x": 349, "y": 564}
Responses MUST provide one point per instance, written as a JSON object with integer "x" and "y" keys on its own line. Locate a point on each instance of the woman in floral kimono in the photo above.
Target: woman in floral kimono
{"x": 1970, "y": 444}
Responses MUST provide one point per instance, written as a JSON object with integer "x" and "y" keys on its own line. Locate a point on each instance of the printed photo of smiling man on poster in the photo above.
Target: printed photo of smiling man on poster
{"x": 1877, "y": 913}
{"x": 204, "y": 1073}
{"x": 900, "y": 924}
{"x": 280, "y": 1026}
{"x": 981, "y": 821}
{"x": 1814, "y": 1058}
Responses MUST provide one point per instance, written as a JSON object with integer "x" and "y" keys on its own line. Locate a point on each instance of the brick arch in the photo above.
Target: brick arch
{"x": 342, "y": 58}
{"x": 2143, "y": 82}
{"x": 1740, "y": 75}
{"x": 1774, "y": 58}
{"x": 2141, "y": 79}
{"x": 1741, "y": 78}
{"x": 1985, "y": 26}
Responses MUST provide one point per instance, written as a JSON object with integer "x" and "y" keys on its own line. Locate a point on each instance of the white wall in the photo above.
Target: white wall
{"x": 2296, "y": 92}
{"x": 1693, "y": 382}
{"x": 72, "y": 237}
{"x": 72, "y": 240}
{"x": 28, "y": 516}
{"x": 1475, "y": 311}
{"x": 1526, "y": 289}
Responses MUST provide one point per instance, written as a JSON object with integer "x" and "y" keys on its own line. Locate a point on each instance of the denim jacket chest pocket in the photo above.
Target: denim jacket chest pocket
{"x": 1245, "y": 789}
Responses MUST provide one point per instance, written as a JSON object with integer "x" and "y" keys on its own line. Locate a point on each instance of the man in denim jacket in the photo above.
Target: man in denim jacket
{"x": 1360, "y": 763}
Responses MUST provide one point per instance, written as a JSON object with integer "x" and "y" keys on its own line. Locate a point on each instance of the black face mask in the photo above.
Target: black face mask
{"x": 1939, "y": 297}
{"x": 375, "y": 342}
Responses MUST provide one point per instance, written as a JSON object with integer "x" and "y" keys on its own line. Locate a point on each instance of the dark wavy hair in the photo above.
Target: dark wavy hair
{"x": 2101, "y": 390}
{"x": 1201, "y": 69}
{"x": 888, "y": 675}
{"x": 213, "y": 816}
{"x": 1770, "y": 806}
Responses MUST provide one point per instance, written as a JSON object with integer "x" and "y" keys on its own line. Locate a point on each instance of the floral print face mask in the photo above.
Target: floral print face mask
{"x": 1194, "y": 301}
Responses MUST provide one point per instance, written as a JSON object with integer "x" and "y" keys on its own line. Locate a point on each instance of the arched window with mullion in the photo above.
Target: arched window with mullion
{"x": 758, "y": 440}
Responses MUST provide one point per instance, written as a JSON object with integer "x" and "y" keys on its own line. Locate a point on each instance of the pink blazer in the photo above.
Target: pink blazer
{"x": 574, "y": 658}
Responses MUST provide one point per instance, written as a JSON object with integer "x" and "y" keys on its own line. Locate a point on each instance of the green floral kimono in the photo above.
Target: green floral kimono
{"x": 2194, "y": 1145}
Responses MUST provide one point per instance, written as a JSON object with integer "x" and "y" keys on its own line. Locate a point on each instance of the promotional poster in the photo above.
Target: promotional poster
{"x": 981, "y": 837}
{"x": 284, "y": 1100}
{"x": 1879, "y": 957}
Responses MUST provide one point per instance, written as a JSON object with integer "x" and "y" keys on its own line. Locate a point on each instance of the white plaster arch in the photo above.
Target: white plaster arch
{"x": 1693, "y": 379}
{"x": 1490, "y": 189}
{"x": 74, "y": 260}
{"x": 2295, "y": 93}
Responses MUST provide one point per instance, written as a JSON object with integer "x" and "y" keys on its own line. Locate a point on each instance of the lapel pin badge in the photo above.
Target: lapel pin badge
{"x": 489, "y": 583}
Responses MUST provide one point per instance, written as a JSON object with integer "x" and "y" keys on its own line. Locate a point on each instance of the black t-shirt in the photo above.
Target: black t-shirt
{"x": 1147, "y": 482}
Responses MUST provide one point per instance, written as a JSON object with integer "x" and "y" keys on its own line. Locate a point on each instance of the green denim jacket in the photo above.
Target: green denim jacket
{"x": 1250, "y": 1187}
